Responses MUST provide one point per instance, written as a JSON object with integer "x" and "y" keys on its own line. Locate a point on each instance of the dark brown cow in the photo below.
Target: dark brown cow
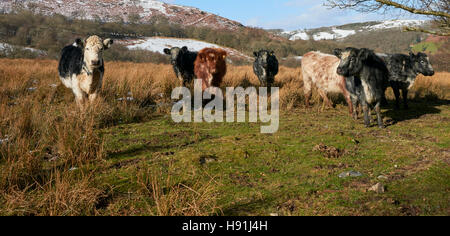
{"x": 211, "y": 67}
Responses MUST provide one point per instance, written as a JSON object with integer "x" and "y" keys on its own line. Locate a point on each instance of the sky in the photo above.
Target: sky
{"x": 281, "y": 14}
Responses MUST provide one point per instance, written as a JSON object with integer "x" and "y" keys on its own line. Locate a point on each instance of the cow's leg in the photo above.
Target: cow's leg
{"x": 93, "y": 97}
{"x": 308, "y": 98}
{"x": 80, "y": 95}
{"x": 366, "y": 110}
{"x": 380, "y": 119}
{"x": 81, "y": 98}
{"x": 384, "y": 101}
{"x": 326, "y": 101}
{"x": 355, "y": 102}
{"x": 349, "y": 101}
{"x": 405, "y": 97}
{"x": 397, "y": 97}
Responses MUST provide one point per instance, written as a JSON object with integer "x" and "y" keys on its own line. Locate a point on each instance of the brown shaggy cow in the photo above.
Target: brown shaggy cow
{"x": 211, "y": 67}
{"x": 320, "y": 69}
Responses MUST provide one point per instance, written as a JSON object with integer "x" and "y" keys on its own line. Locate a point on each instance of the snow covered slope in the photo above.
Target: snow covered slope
{"x": 157, "y": 44}
{"x": 8, "y": 48}
{"x": 341, "y": 32}
{"x": 111, "y": 10}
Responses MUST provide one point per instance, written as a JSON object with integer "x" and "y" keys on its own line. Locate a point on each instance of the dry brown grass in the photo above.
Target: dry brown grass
{"x": 174, "y": 197}
{"x": 44, "y": 137}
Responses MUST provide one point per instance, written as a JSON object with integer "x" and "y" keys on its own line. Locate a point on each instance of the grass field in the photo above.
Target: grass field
{"x": 127, "y": 157}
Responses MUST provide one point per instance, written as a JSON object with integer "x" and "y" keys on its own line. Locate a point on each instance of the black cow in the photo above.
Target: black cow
{"x": 403, "y": 71}
{"x": 265, "y": 67}
{"x": 182, "y": 61}
{"x": 370, "y": 78}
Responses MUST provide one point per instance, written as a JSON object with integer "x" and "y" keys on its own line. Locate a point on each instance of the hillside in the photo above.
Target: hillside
{"x": 123, "y": 10}
{"x": 344, "y": 31}
{"x": 56, "y": 28}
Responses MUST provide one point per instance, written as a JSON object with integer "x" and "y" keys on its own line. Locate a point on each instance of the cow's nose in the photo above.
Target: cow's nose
{"x": 339, "y": 70}
{"x": 95, "y": 62}
{"x": 432, "y": 73}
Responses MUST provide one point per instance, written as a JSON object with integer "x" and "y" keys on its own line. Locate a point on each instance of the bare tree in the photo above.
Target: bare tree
{"x": 438, "y": 10}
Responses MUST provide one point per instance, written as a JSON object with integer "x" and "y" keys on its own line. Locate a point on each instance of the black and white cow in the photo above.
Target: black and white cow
{"x": 403, "y": 71}
{"x": 81, "y": 67}
{"x": 265, "y": 67}
{"x": 370, "y": 79}
{"x": 182, "y": 61}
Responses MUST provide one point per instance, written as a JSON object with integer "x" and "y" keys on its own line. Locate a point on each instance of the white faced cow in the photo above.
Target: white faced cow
{"x": 81, "y": 67}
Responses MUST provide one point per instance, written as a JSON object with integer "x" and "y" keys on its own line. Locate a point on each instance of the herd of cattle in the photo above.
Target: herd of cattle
{"x": 361, "y": 75}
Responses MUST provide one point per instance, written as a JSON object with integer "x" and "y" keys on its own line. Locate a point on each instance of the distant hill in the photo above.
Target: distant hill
{"x": 343, "y": 31}
{"x": 123, "y": 10}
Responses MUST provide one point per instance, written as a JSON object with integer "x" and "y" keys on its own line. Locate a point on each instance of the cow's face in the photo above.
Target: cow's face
{"x": 93, "y": 51}
{"x": 175, "y": 53}
{"x": 214, "y": 59}
{"x": 262, "y": 57}
{"x": 351, "y": 60}
{"x": 422, "y": 64}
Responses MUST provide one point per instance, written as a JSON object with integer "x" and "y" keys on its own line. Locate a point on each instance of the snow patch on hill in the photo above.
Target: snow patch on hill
{"x": 396, "y": 24}
{"x": 8, "y": 48}
{"x": 148, "y": 5}
{"x": 341, "y": 32}
{"x": 157, "y": 44}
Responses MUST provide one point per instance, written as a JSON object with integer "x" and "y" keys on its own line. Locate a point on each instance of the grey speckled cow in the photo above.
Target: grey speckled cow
{"x": 403, "y": 71}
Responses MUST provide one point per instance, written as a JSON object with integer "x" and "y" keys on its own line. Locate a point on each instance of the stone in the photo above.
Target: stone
{"x": 378, "y": 188}
{"x": 382, "y": 177}
{"x": 350, "y": 174}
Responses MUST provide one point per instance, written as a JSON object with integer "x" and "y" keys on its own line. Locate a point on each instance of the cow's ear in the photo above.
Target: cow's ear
{"x": 364, "y": 53}
{"x": 107, "y": 43}
{"x": 421, "y": 54}
{"x": 201, "y": 56}
{"x": 167, "y": 51}
{"x": 338, "y": 52}
{"x": 184, "y": 49}
{"x": 79, "y": 43}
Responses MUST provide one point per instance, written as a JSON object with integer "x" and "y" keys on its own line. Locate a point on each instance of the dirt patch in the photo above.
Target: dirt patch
{"x": 289, "y": 206}
{"x": 329, "y": 151}
{"x": 182, "y": 134}
{"x": 205, "y": 159}
{"x": 408, "y": 170}
{"x": 332, "y": 167}
{"x": 407, "y": 136}
{"x": 241, "y": 179}
{"x": 126, "y": 163}
{"x": 410, "y": 210}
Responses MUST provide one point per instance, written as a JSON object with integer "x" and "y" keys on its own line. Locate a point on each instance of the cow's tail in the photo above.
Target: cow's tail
{"x": 307, "y": 86}
{"x": 307, "y": 82}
